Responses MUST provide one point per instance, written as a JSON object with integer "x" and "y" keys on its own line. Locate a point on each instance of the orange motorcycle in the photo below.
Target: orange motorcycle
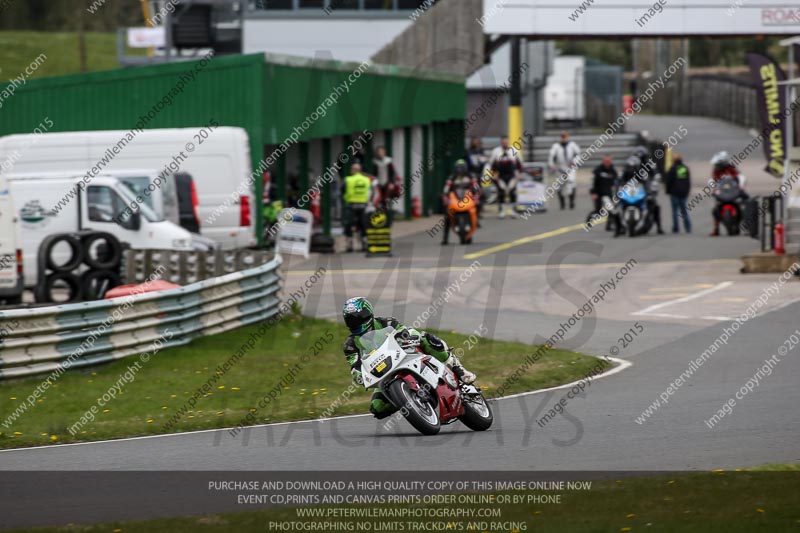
{"x": 463, "y": 211}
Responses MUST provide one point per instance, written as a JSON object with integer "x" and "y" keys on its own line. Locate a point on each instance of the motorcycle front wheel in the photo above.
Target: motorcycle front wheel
{"x": 414, "y": 408}
{"x": 477, "y": 413}
{"x": 462, "y": 228}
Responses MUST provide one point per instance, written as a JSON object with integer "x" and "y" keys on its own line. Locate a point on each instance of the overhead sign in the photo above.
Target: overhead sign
{"x": 632, "y": 18}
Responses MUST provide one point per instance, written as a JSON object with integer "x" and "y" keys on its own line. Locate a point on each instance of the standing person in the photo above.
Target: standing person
{"x": 385, "y": 183}
{"x": 603, "y": 183}
{"x": 679, "y": 183}
{"x": 505, "y": 163}
{"x": 357, "y": 189}
{"x": 476, "y": 157}
{"x": 564, "y": 161}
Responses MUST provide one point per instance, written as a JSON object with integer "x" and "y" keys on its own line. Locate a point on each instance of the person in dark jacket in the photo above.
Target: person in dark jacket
{"x": 679, "y": 183}
{"x": 603, "y": 183}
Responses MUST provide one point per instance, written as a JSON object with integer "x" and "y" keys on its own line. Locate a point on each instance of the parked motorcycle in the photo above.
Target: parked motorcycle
{"x": 632, "y": 209}
{"x": 463, "y": 213}
{"x": 728, "y": 195}
{"x": 427, "y": 393}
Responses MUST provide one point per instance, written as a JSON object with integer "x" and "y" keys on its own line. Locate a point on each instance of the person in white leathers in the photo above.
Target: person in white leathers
{"x": 505, "y": 164}
{"x": 564, "y": 163}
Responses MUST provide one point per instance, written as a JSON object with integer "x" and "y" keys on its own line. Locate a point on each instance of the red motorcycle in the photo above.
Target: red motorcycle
{"x": 427, "y": 393}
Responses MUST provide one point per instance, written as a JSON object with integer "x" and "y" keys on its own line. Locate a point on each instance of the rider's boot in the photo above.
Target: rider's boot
{"x": 502, "y": 210}
{"x": 458, "y": 369}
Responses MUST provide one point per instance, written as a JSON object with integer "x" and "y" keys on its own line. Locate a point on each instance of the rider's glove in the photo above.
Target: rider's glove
{"x": 357, "y": 378}
{"x": 405, "y": 335}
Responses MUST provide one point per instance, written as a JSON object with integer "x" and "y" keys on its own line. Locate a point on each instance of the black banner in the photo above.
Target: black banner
{"x": 400, "y": 501}
{"x": 772, "y": 109}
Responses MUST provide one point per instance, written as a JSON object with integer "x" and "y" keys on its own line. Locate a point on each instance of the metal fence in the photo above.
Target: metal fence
{"x": 603, "y": 94}
{"x": 53, "y": 339}
{"x": 184, "y": 267}
{"x": 729, "y": 98}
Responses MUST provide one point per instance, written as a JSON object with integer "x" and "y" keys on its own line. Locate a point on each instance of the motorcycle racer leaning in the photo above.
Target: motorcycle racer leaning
{"x": 359, "y": 319}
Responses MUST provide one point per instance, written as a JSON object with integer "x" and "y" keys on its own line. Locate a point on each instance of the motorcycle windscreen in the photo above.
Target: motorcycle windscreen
{"x": 728, "y": 190}
{"x": 372, "y": 341}
{"x": 371, "y": 344}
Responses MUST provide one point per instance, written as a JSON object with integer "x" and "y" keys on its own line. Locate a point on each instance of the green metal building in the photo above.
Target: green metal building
{"x": 417, "y": 116}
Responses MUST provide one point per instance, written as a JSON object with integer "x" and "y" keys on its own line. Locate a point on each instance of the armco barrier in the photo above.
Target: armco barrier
{"x": 48, "y": 339}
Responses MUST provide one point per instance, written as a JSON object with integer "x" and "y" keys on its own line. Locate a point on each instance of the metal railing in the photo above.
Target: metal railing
{"x": 55, "y": 338}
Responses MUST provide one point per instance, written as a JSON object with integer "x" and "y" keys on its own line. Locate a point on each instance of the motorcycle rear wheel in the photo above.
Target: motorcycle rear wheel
{"x": 419, "y": 413}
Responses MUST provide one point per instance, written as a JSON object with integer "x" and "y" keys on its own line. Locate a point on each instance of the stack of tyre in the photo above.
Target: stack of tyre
{"x": 77, "y": 266}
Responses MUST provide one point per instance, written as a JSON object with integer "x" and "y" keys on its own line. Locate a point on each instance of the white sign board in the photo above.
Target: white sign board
{"x": 631, "y": 18}
{"x": 531, "y": 194}
{"x": 147, "y": 37}
{"x": 294, "y": 235}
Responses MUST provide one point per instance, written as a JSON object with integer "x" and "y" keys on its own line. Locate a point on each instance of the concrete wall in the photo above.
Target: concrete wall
{"x": 447, "y": 37}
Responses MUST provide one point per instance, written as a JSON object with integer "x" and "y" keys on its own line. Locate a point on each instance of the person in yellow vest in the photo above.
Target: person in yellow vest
{"x": 357, "y": 193}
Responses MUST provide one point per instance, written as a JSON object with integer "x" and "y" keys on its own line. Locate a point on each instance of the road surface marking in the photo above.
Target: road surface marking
{"x": 666, "y": 315}
{"x": 691, "y": 287}
{"x": 432, "y": 268}
{"x": 525, "y": 240}
{"x": 718, "y": 287}
{"x": 663, "y": 296}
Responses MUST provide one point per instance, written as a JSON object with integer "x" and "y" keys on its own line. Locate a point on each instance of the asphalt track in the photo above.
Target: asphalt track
{"x": 682, "y": 289}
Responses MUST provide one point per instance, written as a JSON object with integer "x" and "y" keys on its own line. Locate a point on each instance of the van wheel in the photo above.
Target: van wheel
{"x": 76, "y": 252}
{"x": 14, "y": 300}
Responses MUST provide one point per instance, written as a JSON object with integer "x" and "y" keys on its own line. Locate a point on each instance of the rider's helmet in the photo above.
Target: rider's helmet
{"x": 358, "y": 315}
{"x": 641, "y": 152}
{"x": 633, "y": 163}
{"x": 460, "y": 168}
{"x": 721, "y": 160}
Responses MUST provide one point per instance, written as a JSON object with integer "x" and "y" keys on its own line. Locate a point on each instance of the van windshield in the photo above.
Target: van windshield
{"x": 130, "y": 199}
{"x": 137, "y": 185}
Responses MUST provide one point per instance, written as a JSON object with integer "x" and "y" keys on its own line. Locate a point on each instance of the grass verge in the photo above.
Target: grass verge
{"x": 710, "y": 502}
{"x": 18, "y": 49}
{"x": 163, "y": 388}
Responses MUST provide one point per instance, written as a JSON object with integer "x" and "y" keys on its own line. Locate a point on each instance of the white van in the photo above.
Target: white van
{"x": 218, "y": 159}
{"x": 49, "y": 203}
{"x": 11, "y": 272}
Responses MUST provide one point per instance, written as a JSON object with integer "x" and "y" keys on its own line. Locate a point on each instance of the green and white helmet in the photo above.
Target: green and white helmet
{"x": 358, "y": 315}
